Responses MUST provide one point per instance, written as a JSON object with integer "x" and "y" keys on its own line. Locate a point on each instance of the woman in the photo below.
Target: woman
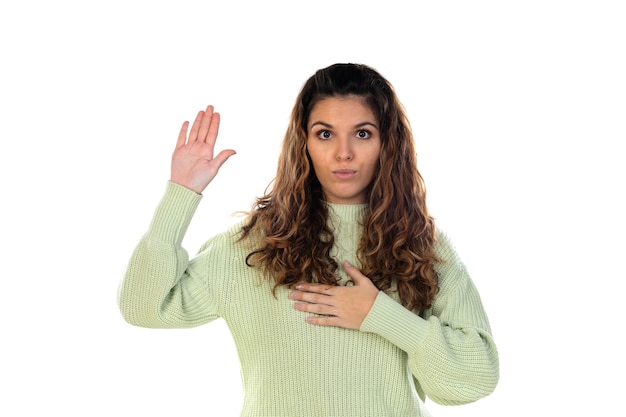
{"x": 342, "y": 296}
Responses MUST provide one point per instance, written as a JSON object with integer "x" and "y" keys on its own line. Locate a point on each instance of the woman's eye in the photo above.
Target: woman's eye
{"x": 324, "y": 134}
{"x": 363, "y": 134}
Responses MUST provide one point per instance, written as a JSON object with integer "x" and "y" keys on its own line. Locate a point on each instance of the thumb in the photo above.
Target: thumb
{"x": 354, "y": 273}
{"x": 218, "y": 161}
{"x": 223, "y": 156}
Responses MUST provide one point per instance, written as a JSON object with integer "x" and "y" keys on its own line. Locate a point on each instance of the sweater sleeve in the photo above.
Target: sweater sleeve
{"x": 161, "y": 288}
{"x": 451, "y": 352}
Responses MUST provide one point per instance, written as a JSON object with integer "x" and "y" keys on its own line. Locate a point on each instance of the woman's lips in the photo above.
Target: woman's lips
{"x": 344, "y": 174}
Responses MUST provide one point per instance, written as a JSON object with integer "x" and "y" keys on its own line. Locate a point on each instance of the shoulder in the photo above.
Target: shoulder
{"x": 450, "y": 268}
{"x": 444, "y": 247}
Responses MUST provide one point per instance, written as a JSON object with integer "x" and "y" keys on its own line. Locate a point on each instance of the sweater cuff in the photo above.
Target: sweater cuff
{"x": 394, "y": 322}
{"x": 173, "y": 214}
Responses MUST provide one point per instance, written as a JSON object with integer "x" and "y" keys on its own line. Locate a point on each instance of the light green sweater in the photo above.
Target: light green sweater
{"x": 292, "y": 368}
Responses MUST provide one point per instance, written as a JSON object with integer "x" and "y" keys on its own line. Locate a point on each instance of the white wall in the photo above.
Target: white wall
{"x": 518, "y": 109}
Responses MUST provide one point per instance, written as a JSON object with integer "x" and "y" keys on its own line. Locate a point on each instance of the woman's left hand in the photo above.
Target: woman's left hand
{"x": 338, "y": 305}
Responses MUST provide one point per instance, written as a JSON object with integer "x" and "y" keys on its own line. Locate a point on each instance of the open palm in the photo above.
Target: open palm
{"x": 194, "y": 164}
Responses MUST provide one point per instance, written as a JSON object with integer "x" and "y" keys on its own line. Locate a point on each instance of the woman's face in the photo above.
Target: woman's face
{"x": 344, "y": 143}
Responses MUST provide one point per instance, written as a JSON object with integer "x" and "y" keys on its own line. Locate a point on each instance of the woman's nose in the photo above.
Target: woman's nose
{"x": 344, "y": 150}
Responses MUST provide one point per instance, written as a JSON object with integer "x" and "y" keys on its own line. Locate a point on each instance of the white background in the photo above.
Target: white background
{"x": 519, "y": 114}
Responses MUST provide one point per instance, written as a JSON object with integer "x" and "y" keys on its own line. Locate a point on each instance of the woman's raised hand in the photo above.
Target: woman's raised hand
{"x": 193, "y": 164}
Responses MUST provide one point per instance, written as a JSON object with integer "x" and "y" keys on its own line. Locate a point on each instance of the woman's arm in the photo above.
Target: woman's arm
{"x": 160, "y": 288}
{"x": 451, "y": 351}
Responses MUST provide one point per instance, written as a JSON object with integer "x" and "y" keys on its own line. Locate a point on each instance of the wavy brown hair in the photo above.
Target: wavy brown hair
{"x": 396, "y": 250}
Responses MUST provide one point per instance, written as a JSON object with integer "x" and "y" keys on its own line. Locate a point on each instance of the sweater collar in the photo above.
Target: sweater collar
{"x": 347, "y": 212}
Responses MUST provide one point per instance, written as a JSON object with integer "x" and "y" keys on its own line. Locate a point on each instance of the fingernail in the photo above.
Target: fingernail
{"x": 346, "y": 264}
{"x": 298, "y": 287}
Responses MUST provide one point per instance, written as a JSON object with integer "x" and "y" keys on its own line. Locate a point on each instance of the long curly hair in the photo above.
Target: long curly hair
{"x": 396, "y": 250}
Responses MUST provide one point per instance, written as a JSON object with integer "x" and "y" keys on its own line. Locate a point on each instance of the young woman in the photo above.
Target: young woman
{"x": 343, "y": 297}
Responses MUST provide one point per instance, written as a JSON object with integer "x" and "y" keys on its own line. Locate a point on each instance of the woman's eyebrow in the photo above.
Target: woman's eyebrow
{"x": 367, "y": 124}
{"x": 328, "y": 125}
{"x": 320, "y": 123}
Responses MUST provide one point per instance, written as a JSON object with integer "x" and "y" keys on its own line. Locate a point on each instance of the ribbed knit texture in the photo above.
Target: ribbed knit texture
{"x": 292, "y": 368}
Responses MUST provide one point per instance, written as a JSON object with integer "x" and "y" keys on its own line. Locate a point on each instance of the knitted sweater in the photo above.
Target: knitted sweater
{"x": 292, "y": 368}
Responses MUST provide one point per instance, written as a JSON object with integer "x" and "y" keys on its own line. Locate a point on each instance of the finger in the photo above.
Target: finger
{"x": 222, "y": 157}
{"x": 205, "y": 123}
{"x": 311, "y": 297}
{"x": 193, "y": 135}
{"x": 182, "y": 135}
{"x": 354, "y": 273}
{"x": 314, "y": 308}
{"x": 323, "y": 320}
{"x": 316, "y": 288}
{"x": 214, "y": 128}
